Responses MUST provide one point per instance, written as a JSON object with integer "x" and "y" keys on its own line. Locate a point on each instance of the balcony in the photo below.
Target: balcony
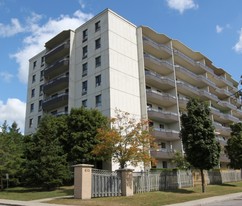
{"x": 158, "y": 81}
{"x": 55, "y": 102}
{"x": 56, "y": 84}
{"x": 159, "y": 98}
{"x": 158, "y": 65}
{"x": 58, "y": 52}
{"x": 227, "y": 105}
{"x": 183, "y": 102}
{"x": 225, "y": 131}
{"x": 224, "y": 158}
{"x": 187, "y": 89}
{"x": 223, "y": 93}
{"x": 208, "y": 96}
{"x": 206, "y": 81}
{"x": 161, "y": 116}
{"x": 204, "y": 67}
{"x": 184, "y": 57}
{"x": 162, "y": 154}
{"x": 150, "y": 45}
{"x": 221, "y": 141}
{"x": 57, "y": 68}
{"x": 165, "y": 134}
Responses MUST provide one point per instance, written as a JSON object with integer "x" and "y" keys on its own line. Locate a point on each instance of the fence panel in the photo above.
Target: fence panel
{"x": 105, "y": 183}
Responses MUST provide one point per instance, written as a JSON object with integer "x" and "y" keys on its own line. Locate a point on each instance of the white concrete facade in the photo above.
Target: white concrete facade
{"x": 109, "y": 63}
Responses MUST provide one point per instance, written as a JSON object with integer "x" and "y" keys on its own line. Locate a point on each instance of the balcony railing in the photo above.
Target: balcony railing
{"x": 56, "y": 84}
{"x": 55, "y": 102}
{"x": 165, "y": 134}
{"x": 56, "y": 69}
{"x": 159, "y": 45}
{"x": 188, "y": 87}
{"x": 167, "y": 117}
{"x": 57, "y": 52}
{"x": 162, "y": 153}
{"x": 159, "y": 98}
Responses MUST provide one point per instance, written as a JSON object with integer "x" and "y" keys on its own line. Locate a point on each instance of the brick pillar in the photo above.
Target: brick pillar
{"x": 126, "y": 181}
{"x": 82, "y": 181}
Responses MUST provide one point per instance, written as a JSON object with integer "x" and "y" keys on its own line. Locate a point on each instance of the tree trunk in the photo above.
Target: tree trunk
{"x": 203, "y": 181}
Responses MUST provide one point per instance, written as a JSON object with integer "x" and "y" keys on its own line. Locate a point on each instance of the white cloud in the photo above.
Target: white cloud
{"x": 11, "y": 29}
{"x": 219, "y": 29}
{"x": 238, "y": 45}
{"x": 6, "y": 76}
{"x": 13, "y": 110}
{"x": 38, "y": 34}
{"x": 82, "y": 4}
{"x": 182, "y": 5}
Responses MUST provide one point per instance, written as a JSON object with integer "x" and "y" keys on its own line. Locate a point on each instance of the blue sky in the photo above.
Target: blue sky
{"x": 212, "y": 27}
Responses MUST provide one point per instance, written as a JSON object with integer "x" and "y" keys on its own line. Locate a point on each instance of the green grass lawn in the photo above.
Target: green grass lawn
{"x": 20, "y": 193}
{"x": 145, "y": 199}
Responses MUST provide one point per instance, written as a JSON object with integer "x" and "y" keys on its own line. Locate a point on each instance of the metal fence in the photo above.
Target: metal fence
{"x": 105, "y": 183}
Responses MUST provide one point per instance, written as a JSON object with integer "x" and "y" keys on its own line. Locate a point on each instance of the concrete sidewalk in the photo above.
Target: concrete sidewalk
{"x": 205, "y": 201}
{"x": 200, "y": 202}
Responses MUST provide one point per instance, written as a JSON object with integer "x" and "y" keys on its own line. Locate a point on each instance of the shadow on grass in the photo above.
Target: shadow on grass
{"x": 181, "y": 191}
{"x": 228, "y": 185}
{"x": 67, "y": 191}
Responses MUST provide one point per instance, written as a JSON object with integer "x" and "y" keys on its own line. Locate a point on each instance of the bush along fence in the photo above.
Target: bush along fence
{"x": 90, "y": 182}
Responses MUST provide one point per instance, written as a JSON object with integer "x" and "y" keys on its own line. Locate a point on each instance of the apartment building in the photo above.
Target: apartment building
{"x": 110, "y": 63}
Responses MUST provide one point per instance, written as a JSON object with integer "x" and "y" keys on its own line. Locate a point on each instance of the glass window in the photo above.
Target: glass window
{"x": 98, "y": 80}
{"x": 98, "y": 61}
{"x": 34, "y": 64}
{"x": 98, "y": 43}
{"x": 84, "y": 52}
{"x": 41, "y": 75}
{"x": 42, "y": 61}
{"x": 30, "y": 122}
{"x": 97, "y": 26}
{"x": 99, "y": 100}
{"x": 40, "y": 105}
{"x": 39, "y": 118}
{"x": 33, "y": 78}
{"x": 84, "y": 87}
{"x": 84, "y": 35}
{"x": 84, "y": 70}
{"x": 84, "y": 103}
{"x": 32, "y": 107}
{"x": 41, "y": 89}
{"x": 32, "y": 92}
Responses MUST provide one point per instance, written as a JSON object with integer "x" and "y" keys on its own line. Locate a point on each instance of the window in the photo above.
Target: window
{"x": 41, "y": 75}
{"x": 32, "y": 107}
{"x": 148, "y": 87}
{"x": 99, "y": 100}
{"x": 151, "y": 124}
{"x": 84, "y": 52}
{"x": 39, "y": 118}
{"x": 160, "y": 109}
{"x": 32, "y": 92}
{"x": 41, "y": 89}
{"x": 162, "y": 126}
{"x": 30, "y": 123}
{"x": 42, "y": 61}
{"x": 97, "y": 26}
{"x": 66, "y": 110}
{"x": 40, "y": 105}
{"x": 84, "y": 35}
{"x": 98, "y": 43}
{"x": 84, "y": 87}
{"x": 164, "y": 164}
{"x": 34, "y": 64}
{"x": 98, "y": 80}
{"x": 84, "y": 103}
{"x": 33, "y": 78}
{"x": 98, "y": 61}
{"x": 84, "y": 70}
{"x": 162, "y": 145}
{"x": 149, "y": 106}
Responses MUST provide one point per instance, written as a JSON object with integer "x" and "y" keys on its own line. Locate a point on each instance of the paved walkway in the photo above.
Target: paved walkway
{"x": 201, "y": 202}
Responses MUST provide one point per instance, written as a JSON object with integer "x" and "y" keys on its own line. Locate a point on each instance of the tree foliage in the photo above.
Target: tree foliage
{"x": 234, "y": 146}
{"x": 10, "y": 153}
{"x": 79, "y": 138}
{"x": 198, "y": 137}
{"x": 127, "y": 140}
{"x": 180, "y": 161}
{"x": 46, "y": 164}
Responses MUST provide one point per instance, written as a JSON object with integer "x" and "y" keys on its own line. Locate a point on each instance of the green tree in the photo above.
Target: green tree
{"x": 10, "y": 153}
{"x": 180, "y": 161}
{"x": 127, "y": 140}
{"x": 234, "y": 146}
{"x": 198, "y": 137}
{"x": 79, "y": 138}
{"x": 46, "y": 164}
